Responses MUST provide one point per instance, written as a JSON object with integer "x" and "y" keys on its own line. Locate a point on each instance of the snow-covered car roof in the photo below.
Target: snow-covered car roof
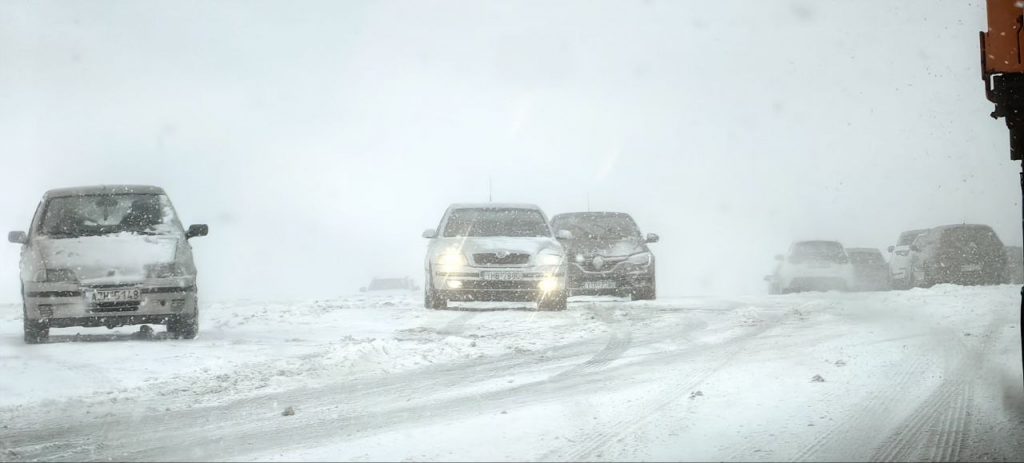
{"x": 103, "y": 189}
{"x": 863, "y": 250}
{"x": 494, "y": 206}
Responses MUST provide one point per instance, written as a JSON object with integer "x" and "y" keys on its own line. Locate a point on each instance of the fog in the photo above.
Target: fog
{"x": 318, "y": 139}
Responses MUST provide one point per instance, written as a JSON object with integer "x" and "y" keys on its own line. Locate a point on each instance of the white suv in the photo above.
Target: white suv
{"x": 813, "y": 266}
{"x": 495, "y": 252}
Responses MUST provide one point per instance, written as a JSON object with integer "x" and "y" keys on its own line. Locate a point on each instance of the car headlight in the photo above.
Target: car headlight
{"x": 549, "y": 259}
{"x": 164, "y": 270}
{"x": 57, "y": 275}
{"x": 451, "y": 261}
{"x": 644, "y": 258}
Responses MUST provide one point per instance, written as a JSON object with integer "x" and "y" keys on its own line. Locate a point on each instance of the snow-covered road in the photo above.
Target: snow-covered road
{"x": 922, "y": 374}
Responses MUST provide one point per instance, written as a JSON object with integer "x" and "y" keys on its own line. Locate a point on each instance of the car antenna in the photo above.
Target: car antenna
{"x": 490, "y": 190}
{"x": 588, "y": 201}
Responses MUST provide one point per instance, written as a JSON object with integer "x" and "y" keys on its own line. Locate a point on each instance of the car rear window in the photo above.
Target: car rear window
{"x": 866, "y": 258}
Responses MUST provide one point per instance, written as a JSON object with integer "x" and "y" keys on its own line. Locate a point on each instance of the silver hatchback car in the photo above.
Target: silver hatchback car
{"x": 107, "y": 256}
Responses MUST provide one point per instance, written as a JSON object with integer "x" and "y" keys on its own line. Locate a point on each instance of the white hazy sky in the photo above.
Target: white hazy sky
{"x": 318, "y": 139}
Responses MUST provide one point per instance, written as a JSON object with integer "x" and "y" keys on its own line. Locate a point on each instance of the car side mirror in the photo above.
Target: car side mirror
{"x": 430, "y": 233}
{"x": 564, "y": 235}
{"x": 197, "y": 230}
{"x": 892, "y": 248}
{"x": 17, "y": 237}
{"x": 653, "y": 238}
{"x": 780, "y": 257}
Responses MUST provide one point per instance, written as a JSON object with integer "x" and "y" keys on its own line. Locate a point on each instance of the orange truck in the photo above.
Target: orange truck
{"x": 1002, "y": 69}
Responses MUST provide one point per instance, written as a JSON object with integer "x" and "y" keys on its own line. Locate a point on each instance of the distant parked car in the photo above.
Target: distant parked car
{"x": 812, "y": 266}
{"x": 870, "y": 271}
{"x": 958, "y": 254}
{"x": 390, "y": 284}
{"x": 899, "y": 258}
{"x": 1014, "y": 265}
{"x": 107, "y": 256}
{"x": 608, "y": 255}
{"x": 495, "y": 252}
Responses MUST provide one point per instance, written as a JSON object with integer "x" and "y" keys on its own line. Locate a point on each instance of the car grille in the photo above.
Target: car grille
{"x": 522, "y": 285}
{"x": 607, "y": 263}
{"x": 129, "y": 306}
{"x": 491, "y": 258}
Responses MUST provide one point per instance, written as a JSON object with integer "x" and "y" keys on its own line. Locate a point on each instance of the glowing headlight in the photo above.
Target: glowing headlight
{"x": 451, "y": 260}
{"x": 549, "y": 259}
{"x": 644, "y": 258}
{"x": 548, "y": 284}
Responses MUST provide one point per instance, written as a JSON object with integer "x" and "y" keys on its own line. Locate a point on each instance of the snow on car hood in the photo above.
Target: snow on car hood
{"x": 605, "y": 248}
{"x": 473, "y": 245}
{"x": 121, "y": 256}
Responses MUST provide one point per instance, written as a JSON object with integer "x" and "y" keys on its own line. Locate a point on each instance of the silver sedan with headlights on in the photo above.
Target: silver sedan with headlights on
{"x": 495, "y": 252}
{"x": 107, "y": 256}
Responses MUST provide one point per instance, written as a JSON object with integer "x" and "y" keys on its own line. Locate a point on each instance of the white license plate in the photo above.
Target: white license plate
{"x": 970, "y": 268}
{"x": 116, "y": 295}
{"x": 598, "y": 285}
{"x": 502, "y": 276}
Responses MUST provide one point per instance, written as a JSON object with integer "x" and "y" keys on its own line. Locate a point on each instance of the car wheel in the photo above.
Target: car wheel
{"x": 645, "y": 293}
{"x": 185, "y": 326}
{"x": 35, "y": 332}
{"x": 431, "y": 298}
{"x": 557, "y": 301}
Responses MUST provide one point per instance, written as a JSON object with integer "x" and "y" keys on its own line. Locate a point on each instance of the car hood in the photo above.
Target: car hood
{"x": 114, "y": 257}
{"x": 473, "y": 245}
{"x": 605, "y": 248}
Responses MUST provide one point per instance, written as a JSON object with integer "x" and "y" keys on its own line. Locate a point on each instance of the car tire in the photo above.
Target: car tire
{"x": 184, "y": 326}
{"x": 557, "y": 301}
{"x": 645, "y": 293}
{"x": 35, "y": 332}
{"x": 431, "y": 299}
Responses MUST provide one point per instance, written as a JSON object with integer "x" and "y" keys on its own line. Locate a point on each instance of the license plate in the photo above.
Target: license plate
{"x": 116, "y": 295}
{"x": 598, "y": 285}
{"x": 970, "y": 268}
{"x": 502, "y": 276}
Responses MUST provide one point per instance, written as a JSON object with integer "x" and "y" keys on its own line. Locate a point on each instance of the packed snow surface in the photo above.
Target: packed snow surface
{"x": 923, "y": 374}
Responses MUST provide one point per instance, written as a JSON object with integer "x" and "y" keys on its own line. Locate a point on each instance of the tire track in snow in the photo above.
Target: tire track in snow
{"x": 590, "y": 447}
{"x": 941, "y": 424}
{"x": 618, "y": 343}
{"x": 457, "y": 325}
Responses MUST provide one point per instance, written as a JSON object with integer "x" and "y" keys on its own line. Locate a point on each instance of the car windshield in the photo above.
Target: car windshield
{"x": 93, "y": 215}
{"x": 597, "y": 226}
{"x": 866, "y": 258}
{"x": 512, "y": 222}
{"x": 906, "y": 239}
{"x": 818, "y": 251}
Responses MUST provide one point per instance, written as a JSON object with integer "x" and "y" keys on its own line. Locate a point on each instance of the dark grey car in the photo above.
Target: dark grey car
{"x": 608, "y": 255}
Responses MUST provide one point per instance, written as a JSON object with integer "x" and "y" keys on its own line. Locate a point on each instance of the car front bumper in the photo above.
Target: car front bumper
{"x": 621, "y": 280}
{"x": 64, "y": 304}
{"x": 476, "y": 284}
